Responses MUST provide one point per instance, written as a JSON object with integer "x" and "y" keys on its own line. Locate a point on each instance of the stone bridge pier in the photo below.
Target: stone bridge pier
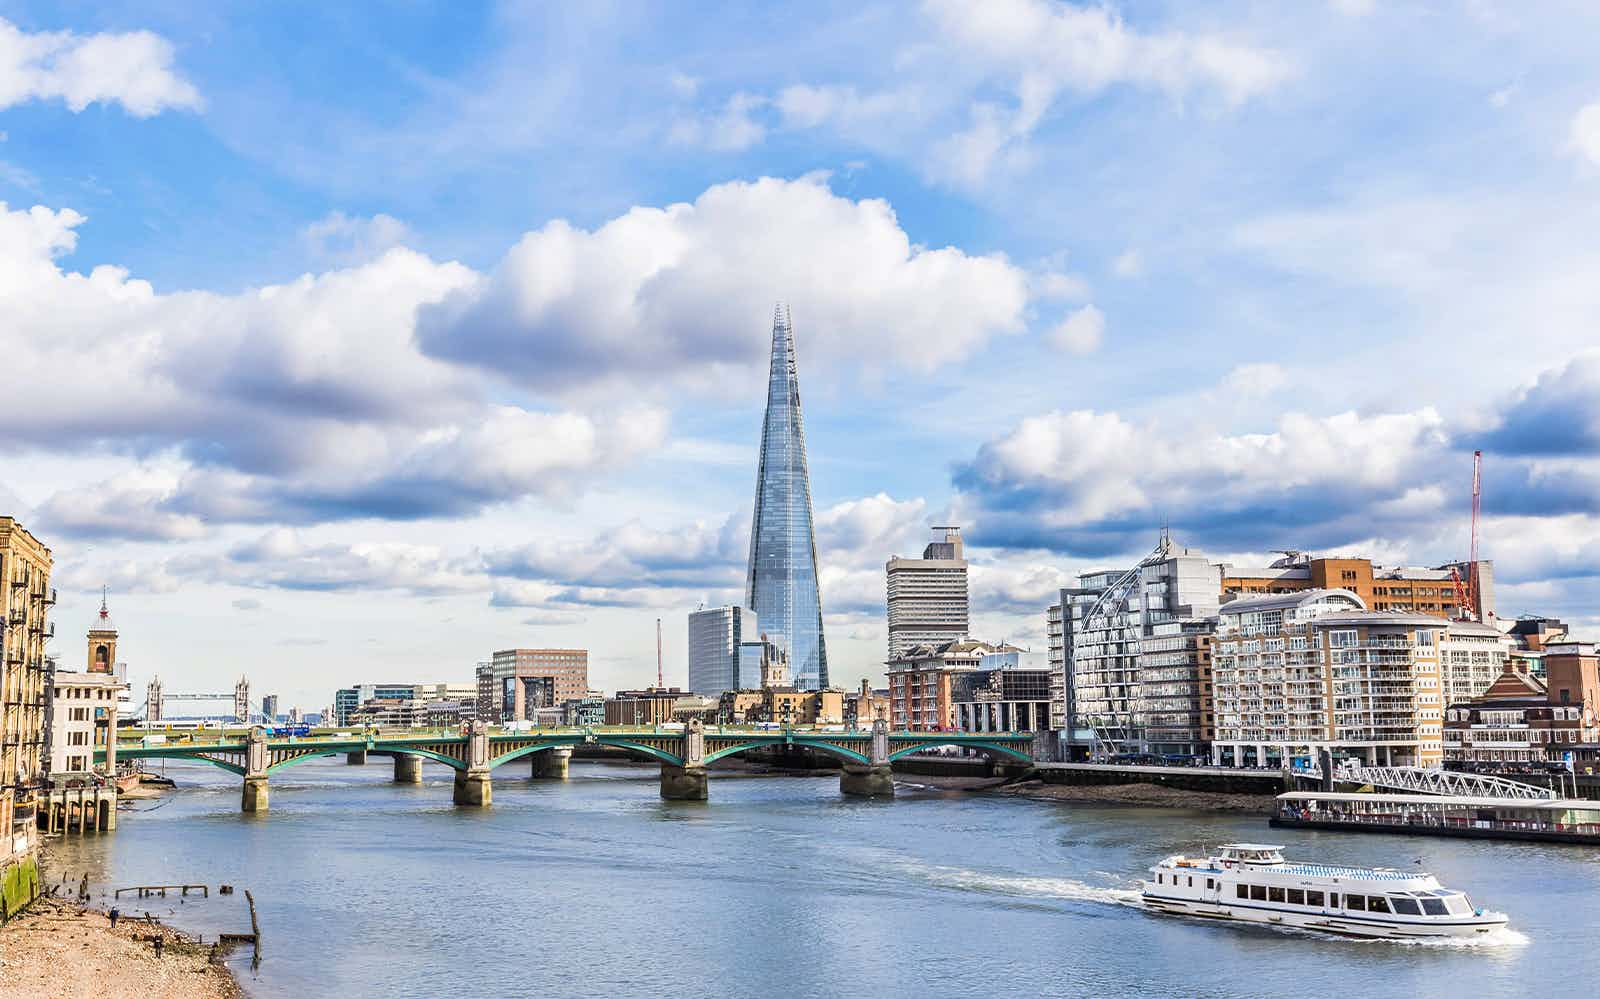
{"x": 407, "y": 769}
{"x": 357, "y": 758}
{"x": 473, "y": 788}
{"x": 875, "y": 779}
{"x": 255, "y": 772}
{"x": 551, "y": 764}
{"x": 687, "y": 782}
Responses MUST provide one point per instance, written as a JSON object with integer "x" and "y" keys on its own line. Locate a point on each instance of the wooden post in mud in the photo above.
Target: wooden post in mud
{"x": 255, "y": 927}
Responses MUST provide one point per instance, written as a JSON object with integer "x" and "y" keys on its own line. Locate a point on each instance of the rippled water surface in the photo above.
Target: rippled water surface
{"x": 779, "y": 886}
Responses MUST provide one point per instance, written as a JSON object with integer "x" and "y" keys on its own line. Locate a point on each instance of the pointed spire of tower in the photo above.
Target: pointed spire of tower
{"x": 781, "y": 581}
{"x": 104, "y": 613}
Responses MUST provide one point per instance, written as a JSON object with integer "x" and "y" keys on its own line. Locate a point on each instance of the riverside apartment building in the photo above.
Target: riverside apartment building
{"x": 1296, "y": 672}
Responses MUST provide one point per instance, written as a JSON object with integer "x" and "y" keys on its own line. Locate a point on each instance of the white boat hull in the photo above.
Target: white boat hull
{"x": 1336, "y": 923}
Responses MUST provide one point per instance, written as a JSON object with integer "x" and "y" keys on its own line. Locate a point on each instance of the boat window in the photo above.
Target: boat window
{"x": 1356, "y": 903}
{"x": 1191, "y": 881}
{"x": 1377, "y": 904}
{"x": 1244, "y": 890}
{"x": 1460, "y": 905}
{"x": 1405, "y": 906}
{"x": 1333, "y": 900}
{"x": 1434, "y": 907}
{"x": 1211, "y": 883}
{"x": 1274, "y": 894}
{"x": 1315, "y": 898}
{"x": 1296, "y": 896}
{"x": 1258, "y": 893}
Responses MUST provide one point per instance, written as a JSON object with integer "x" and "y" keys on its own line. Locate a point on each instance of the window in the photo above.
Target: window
{"x": 1355, "y": 903}
{"x": 1377, "y": 904}
{"x": 1296, "y": 896}
{"x": 1406, "y": 906}
{"x": 1315, "y": 898}
{"x": 1191, "y": 882}
{"x": 1244, "y": 890}
{"x": 1333, "y": 900}
{"x": 1274, "y": 894}
{"x": 1258, "y": 893}
{"x": 1434, "y": 907}
{"x": 1211, "y": 883}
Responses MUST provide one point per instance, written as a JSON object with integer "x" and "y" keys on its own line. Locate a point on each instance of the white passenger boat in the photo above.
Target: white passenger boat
{"x": 1249, "y": 882}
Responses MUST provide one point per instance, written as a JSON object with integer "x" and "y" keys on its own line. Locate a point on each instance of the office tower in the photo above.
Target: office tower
{"x": 928, "y": 595}
{"x": 716, "y": 640}
{"x": 781, "y": 582}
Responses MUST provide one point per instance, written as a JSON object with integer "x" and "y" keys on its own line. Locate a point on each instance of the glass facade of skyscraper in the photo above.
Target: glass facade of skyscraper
{"x": 717, "y": 661}
{"x": 781, "y": 582}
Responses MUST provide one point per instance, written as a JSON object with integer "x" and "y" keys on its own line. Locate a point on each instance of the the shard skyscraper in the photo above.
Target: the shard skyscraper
{"x": 781, "y": 584}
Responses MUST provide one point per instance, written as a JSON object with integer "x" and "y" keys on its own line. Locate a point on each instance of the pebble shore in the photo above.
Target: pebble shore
{"x": 59, "y": 948}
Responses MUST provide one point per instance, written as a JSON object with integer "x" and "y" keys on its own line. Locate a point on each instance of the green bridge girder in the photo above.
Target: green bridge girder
{"x": 504, "y": 747}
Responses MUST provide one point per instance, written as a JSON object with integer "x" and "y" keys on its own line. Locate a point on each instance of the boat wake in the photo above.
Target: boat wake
{"x": 1504, "y": 936}
{"x": 1019, "y": 886}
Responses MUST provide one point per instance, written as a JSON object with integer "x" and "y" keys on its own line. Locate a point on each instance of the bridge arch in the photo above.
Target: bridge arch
{"x": 993, "y": 748}
{"x": 538, "y": 747}
{"x": 448, "y": 761}
{"x": 232, "y": 768}
{"x": 847, "y": 755}
{"x": 568, "y": 741}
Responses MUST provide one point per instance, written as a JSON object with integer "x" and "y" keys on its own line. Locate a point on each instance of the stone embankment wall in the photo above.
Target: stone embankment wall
{"x": 19, "y": 884}
{"x": 1181, "y": 778}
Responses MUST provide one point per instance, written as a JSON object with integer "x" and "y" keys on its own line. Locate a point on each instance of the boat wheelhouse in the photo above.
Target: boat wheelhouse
{"x": 1251, "y": 882}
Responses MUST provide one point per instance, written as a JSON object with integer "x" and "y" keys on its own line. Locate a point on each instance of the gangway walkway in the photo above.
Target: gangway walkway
{"x": 1425, "y": 780}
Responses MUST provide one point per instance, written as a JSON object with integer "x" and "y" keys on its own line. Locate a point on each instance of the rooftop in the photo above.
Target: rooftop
{"x": 1285, "y": 601}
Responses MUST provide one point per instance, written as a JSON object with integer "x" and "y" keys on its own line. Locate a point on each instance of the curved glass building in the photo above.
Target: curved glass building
{"x": 781, "y": 582}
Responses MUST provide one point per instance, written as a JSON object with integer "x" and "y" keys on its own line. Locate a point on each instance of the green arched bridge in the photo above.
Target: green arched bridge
{"x": 476, "y": 749}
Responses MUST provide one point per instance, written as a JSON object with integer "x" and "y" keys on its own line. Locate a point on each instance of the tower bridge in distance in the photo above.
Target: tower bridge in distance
{"x": 476, "y": 750}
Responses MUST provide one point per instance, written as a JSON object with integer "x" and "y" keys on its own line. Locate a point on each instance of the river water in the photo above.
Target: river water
{"x": 779, "y": 886}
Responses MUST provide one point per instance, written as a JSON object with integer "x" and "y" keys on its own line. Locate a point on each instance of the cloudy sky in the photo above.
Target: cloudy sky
{"x": 349, "y": 345}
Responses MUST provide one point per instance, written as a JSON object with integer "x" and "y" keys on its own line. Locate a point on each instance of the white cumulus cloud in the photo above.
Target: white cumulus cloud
{"x": 1081, "y": 332}
{"x": 1585, "y": 132}
{"x": 687, "y": 292}
{"x": 133, "y": 69}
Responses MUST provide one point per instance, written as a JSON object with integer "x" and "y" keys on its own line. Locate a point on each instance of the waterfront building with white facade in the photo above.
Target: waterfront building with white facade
{"x": 927, "y": 596}
{"x": 1098, "y": 635}
{"x": 1297, "y": 672}
{"x": 1471, "y": 658}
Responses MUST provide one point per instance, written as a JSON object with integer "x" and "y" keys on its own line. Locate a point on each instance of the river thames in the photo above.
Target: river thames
{"x": 778, "y": 885}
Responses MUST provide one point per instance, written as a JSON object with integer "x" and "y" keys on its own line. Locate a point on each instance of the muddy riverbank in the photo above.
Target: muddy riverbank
{"x": 60, "y": 948}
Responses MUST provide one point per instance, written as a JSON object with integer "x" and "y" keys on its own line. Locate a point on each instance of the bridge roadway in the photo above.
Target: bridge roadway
{"x": 475, "y": 750}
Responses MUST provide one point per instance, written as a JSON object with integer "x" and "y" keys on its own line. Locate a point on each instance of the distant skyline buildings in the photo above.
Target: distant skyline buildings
{"x": 781, "y": 576}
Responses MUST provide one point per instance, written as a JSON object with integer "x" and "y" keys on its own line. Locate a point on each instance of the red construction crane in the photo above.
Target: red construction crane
{"x": 1468, "y": 589}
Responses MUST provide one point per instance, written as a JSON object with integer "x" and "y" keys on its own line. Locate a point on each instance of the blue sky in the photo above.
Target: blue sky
{"x": 352, "y": 343}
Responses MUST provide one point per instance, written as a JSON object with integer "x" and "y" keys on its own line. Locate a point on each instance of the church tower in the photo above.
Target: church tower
{"x": 102, "y": 641}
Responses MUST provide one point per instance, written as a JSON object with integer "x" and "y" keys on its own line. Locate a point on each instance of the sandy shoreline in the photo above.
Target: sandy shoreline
{"x": 60, "y": 948}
